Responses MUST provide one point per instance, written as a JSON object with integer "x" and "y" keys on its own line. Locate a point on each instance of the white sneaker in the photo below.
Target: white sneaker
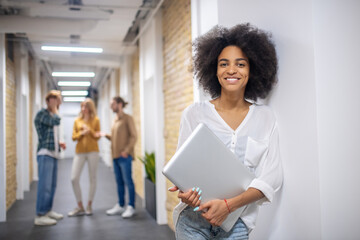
{"x": 55, "y": 215}
{"x": 115, "y": 210}
{"x": 44, "y": 221}
{"x": 129, "y": 212}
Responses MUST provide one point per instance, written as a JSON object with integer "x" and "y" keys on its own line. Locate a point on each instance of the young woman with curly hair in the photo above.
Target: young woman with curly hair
{"x": 235, "y": 66}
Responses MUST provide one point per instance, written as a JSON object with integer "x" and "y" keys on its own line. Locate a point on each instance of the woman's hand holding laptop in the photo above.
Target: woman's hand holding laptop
{"x": 191, "y": 197}
{"x": 214, "y": 211}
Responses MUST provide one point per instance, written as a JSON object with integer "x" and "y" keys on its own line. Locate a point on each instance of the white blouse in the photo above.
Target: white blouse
{"x": 255, "y": 142}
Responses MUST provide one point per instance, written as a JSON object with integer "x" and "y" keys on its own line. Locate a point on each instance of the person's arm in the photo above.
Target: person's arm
{"x": 249, "y": 196}
{"x": 133, "y": 135}
{"x": 191, "y": 197}
{"x": 269, "y": 173}
{"x": 95, "y": 133}
{"x": 262, "y": 189}
{"x": 77, "y": 135}
{"x": 108, "y": 136}
{"x": 48, "y": 119}
{"x": 219, "y": 209}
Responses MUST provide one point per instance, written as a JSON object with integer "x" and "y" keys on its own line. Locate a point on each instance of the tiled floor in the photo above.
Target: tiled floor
{"x": 20, "y": 217}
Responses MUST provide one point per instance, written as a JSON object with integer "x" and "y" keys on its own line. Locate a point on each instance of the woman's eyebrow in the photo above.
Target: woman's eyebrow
{"x": 241, "y": 59}
{"x": 238, "y": 59}
{"x": 223, "y": 59}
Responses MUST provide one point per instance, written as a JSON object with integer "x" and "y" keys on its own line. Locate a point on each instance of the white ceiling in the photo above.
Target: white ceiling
{"x": 95, "y": 23}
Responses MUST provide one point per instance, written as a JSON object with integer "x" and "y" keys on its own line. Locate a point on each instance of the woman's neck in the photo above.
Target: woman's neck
{"x": 86, "y": 117}
{"x": 231, "y": 101}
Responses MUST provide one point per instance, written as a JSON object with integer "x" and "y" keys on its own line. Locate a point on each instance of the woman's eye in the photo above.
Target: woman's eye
{"x": 241, "y": 65}
{"x": 223, "y": 64}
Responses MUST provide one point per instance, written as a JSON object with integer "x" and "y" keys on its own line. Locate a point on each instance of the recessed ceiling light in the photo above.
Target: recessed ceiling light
{"x": 74, "y": 83}
{"x": 74, "y": 99}
{"x": 73, "y": 74}
{"x": 72, "y": 49}
{"x": 74, "y": 93}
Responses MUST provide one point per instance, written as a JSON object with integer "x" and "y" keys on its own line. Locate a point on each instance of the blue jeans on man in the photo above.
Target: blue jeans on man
{"x": 47, "y": 171}
{"x": 122, "y": 169}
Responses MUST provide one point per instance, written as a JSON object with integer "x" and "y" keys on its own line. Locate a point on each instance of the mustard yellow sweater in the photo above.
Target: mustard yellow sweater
{"x": 88, "y": 142}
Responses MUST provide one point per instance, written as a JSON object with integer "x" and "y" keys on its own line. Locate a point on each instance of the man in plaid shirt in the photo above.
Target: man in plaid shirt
{"x": 47, "y": 123}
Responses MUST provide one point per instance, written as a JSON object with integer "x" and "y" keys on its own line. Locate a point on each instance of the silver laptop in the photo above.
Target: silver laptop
{"x": 204, "y": 161}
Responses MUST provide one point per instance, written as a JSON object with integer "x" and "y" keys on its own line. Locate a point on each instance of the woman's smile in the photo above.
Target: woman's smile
{"x": 233, "y": 69}
{"x": 232, "y": 80}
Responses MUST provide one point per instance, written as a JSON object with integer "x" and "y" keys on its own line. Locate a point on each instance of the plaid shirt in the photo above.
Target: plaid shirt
{"x": 44, "y": 123}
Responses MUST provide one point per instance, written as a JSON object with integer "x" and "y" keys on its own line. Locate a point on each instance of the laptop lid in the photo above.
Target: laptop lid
{"x": 204, "y": 161}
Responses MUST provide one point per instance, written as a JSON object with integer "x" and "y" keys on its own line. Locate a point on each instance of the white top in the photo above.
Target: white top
{"x": 256, "y": 141}
{"x": 55, "y": 153}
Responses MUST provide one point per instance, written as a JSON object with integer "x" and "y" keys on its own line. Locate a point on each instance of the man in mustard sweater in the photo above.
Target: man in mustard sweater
{"x": 123, "y": 138}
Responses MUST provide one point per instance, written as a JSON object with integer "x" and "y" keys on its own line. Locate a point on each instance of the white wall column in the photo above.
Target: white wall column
{"x": 69, "y": 111}
{"x": 337, "y": 51}
{"x": 152, "y": 106}
{"x": 142, "y": 64}
{"x": 114, "y": 77}
{"x": 2, "y": 128}
{"x": 36, "y": 108}
{"x": 204, "y": 16}
{"x": 106, "y": 116}
{"x": 161, "y": 213}
{"x": 125, "y": 83}
{"x": 22, "y": 119}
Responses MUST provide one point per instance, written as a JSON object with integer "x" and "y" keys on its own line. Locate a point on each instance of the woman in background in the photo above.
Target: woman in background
{"x": 86, "y": 132}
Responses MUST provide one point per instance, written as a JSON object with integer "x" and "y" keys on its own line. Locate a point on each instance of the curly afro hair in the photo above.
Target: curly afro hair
{"x": 257, "y": 46}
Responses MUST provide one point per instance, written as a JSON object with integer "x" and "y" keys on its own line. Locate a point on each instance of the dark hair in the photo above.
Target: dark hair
{"x": 257, "y": 46}
{"x": 118, "y": 100}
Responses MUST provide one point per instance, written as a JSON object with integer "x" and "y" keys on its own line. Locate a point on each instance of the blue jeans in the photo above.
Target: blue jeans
{"x": 47, "y": 171}
{"x": 122, "y": 169}
{"x": 191, "y": 225}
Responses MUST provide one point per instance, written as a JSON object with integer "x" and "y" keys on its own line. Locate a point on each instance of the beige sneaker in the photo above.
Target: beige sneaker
{"x": 88, "y": 210}
{"x": 55, "y": 215}
{"x": 76, "y": 212}
{"x": 44, "y": 221}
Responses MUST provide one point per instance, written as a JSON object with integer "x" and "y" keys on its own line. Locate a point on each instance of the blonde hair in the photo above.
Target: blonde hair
{"x": 90, "y": 105}
{"x": 52, "y": 94}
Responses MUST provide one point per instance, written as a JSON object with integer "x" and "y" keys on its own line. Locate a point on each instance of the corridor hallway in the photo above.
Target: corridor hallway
{"x": 99, "y": 226}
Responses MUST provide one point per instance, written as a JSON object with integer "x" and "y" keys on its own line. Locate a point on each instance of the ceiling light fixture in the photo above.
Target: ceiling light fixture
{"x": 74, "y": 93}
{"x": 73, "y": 74}
{"x": 74, "y": 99}
{"x": 74, "y": 83}
{"x": 72, "y": 49}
